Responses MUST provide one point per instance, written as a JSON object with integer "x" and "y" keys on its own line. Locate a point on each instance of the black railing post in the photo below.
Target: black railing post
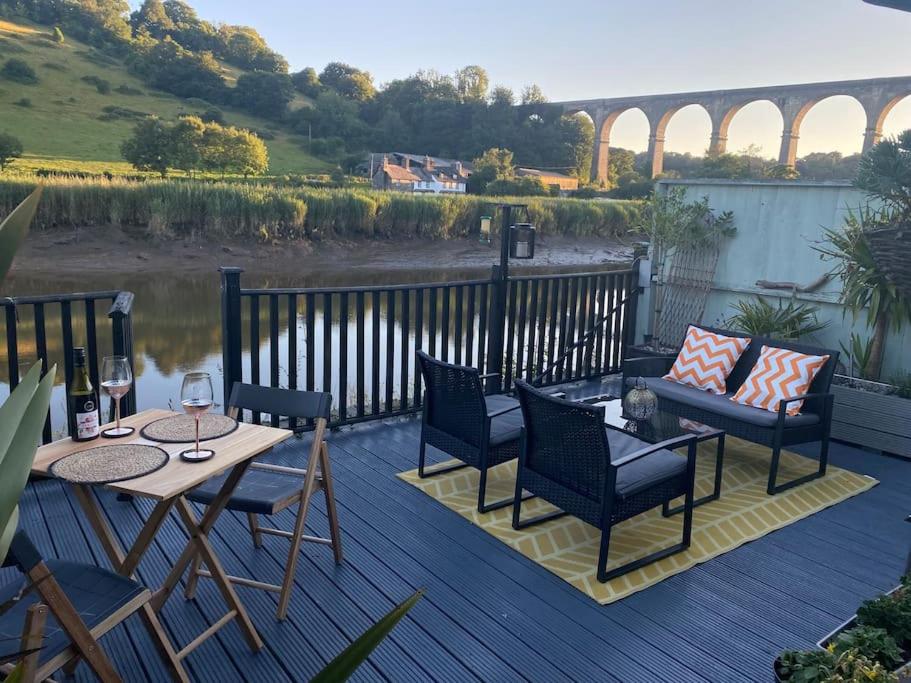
{"x": 631, "y": 313}
{"x": 496, "y": 327}
{"x": 121, "y": 316}
{"x": 231, "y": 350}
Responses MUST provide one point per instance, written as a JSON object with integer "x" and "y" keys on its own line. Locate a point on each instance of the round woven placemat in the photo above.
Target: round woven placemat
{"x": 107, "y": 464}
{"x": 182, "y": 428}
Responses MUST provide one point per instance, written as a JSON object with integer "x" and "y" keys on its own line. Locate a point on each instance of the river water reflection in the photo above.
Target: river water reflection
{"x": 176, "y": 323}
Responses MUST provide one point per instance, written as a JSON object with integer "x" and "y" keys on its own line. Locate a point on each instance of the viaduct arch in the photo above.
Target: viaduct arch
{"x": 877, "y": 96}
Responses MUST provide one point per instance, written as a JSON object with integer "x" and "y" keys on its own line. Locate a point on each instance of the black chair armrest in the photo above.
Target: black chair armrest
{"x": 783, "y": 403}
{"x": 501, "y": 411}
{"x": 489, "y": 375}
{"x": 668, "y": 444}
{"x": 649, "y": 366}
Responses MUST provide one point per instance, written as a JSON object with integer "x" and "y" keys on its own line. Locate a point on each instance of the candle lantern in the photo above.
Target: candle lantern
{"x": 522, "y": 241}
{"x": 484, "y": 234}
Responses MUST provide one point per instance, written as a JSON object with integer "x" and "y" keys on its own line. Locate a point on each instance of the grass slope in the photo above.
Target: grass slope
{"x": 62, "y": 129}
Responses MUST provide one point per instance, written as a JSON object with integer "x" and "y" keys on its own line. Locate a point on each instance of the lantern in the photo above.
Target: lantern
{"x": 484, "y": 235}
{"x": 641, "y": 402}
{"x": 522, "y": 241}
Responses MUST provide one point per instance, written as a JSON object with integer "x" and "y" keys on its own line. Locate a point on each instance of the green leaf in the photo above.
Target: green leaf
{"x": 14, "y": 676}
{"x": 14, "y": 229}
{"x": 341, "y": 668}
{"x": 21, "y": 433}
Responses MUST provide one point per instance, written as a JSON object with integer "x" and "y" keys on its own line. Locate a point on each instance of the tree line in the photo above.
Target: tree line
{"x": 191, "y": 144}
{"x": 168, "y": 45}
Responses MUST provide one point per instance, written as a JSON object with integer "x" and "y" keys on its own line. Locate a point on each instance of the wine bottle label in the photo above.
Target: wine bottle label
{"x": 87, "y": 422}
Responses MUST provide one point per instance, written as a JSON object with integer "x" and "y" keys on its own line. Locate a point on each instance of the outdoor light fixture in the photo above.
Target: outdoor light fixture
{"x": 522, "y": 241}
{"x": 484, "y": 236}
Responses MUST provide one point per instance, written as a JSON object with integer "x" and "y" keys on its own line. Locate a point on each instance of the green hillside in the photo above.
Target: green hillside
{"x": 71, "y": 125}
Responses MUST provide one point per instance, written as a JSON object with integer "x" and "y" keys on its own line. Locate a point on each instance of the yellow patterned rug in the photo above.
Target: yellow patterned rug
{"x": 569, "y": 548}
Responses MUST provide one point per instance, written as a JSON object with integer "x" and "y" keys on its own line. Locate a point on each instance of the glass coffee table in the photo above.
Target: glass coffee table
{"x": 660, "y": 427}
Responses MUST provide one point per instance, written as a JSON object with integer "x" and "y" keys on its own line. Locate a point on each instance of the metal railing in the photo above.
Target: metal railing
{"x": 44, "y": 328}
{"x": 359, "y": 343}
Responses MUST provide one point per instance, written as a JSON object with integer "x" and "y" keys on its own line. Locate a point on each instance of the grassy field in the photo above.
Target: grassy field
{"x": 61, "y": 128}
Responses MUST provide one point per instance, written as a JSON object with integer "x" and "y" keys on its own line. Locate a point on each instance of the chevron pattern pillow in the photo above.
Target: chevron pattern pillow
{"x": 779, "y": 374}
{"x": 706, "y": 359}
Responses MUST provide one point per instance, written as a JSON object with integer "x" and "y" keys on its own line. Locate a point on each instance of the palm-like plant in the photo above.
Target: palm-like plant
{"x": 864, "y": 285}
{"x": 759, "y": 318}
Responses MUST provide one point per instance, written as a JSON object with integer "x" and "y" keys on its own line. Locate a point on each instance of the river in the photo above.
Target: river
{"x": 177, "y": 322}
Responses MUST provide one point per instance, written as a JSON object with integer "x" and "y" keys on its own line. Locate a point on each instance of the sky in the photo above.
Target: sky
{"x": 580, "y": 49}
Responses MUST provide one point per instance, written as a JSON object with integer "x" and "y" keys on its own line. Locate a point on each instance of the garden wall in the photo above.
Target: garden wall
{"x": 778, "y": 222}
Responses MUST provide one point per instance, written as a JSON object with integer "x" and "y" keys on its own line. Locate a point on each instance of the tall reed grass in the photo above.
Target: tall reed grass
{"x": 166, "y": 207}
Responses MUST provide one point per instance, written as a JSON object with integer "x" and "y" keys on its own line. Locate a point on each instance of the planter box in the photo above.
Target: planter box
{"x": 871, "y": 418}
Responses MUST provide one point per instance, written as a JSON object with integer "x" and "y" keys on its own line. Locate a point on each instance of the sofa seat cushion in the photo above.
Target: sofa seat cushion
{"x": 644, "y": 473}
{"x": 506, "y": 427}
{"x": 724, "y": 406}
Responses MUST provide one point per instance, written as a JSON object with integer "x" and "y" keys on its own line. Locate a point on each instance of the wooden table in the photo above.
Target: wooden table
{"x": 168, "y": 487}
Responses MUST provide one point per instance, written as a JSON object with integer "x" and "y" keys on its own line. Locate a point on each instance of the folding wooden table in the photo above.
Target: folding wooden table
{"x": 168, "y": 486}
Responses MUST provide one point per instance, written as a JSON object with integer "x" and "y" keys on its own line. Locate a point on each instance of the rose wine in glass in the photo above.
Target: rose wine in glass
{"x": 116, "y": 380}
{"x": 196, "y": 397}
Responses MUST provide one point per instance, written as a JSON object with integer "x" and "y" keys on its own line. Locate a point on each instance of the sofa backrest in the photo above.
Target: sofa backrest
{"x": 747, "y": 360}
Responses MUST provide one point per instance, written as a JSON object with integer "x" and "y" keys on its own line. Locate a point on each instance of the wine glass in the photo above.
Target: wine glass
{"x": 196, "y": 397}
{"x": 116, "y": 380}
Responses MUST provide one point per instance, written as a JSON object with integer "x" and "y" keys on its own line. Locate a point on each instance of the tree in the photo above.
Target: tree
{"x": 307, "y": 82}
{"x": 58, "y": 36}
{"x": 19, "y": 71}
{"x": 153, "y": 18}
{"x": 347, "y": 81}
{"x": 169, "y": 67}
{"x": 725, "y": 165}
{"x": 494, "y": 164}
{"x": 620, "y": 162}
{"x": 501, "y": 96}
{"x": 10, "y": 149}
{"x": 264, "y": 94}
{"x": 526, "y": 186}
{"x": 236, "y": 150}
{"x": 471, "y": 84}
{"x": 532, "y": 94}
{"x": 186, "y": 143}
{"x": 150, "y": 147}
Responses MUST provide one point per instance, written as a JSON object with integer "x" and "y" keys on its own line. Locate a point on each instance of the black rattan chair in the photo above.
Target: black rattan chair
{"x": 598, "y": 473}
{"x": 480, "y": 431}
{"x": 268, "y": 489}
{"x": 58, "y": 610}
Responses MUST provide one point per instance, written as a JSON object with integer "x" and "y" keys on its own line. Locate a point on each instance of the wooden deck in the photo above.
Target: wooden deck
{"x": 489, "y": 613}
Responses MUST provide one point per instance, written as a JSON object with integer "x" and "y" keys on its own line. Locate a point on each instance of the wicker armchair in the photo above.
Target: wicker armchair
{"x": 598, "y": 473}
{"x": 481, "y": 431}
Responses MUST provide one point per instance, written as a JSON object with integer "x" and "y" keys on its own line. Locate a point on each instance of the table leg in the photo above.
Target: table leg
{"x": 126, "y": 564}
{"x": 200, "y": 539}
{"x": 667, "y": 510}
{"x": 208, "y": 520}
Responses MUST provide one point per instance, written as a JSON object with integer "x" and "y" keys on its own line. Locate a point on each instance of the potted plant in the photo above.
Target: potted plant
{"x": 868, "y": 410}
{"x": 874, "y": 645}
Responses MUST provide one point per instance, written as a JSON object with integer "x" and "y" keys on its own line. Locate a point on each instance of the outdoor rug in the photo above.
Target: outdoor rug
{"x": 568, "y": 547}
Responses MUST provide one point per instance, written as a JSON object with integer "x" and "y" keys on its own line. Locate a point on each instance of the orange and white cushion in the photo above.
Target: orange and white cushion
{"x": 706, "y": 359}
{"x": 777, "y": 375}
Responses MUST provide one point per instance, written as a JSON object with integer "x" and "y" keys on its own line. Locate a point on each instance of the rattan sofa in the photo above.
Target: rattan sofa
{"x": 776, "y": 430}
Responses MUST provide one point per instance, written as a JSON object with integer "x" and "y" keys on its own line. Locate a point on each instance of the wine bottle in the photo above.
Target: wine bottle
{"x": 85, "y": 424}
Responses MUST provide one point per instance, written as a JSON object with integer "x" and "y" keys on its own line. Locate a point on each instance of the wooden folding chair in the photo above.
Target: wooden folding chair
{"x": 62, "y": 608}
{"x": 268, "y": 489}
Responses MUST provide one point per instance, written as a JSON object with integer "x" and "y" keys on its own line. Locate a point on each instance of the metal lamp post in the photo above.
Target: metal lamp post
{"x": 516, "y": 241}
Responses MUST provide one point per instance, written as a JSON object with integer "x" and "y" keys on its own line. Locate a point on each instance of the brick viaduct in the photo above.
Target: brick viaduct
{"x": 877, "y": 96}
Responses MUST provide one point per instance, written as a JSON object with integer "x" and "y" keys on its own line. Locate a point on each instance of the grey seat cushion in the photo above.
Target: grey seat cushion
{"x": 724, "y": 406}
{"x": 504, "y": 428}
{"x": 259, "y": 491}
{"x": 645, "y": 473}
